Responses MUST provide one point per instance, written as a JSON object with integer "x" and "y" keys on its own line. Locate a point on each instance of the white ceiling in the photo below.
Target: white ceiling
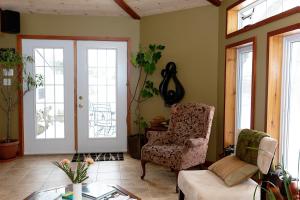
{"x": 98, "y": 7}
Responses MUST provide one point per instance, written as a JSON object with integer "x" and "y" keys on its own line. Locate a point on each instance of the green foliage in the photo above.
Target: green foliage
{"x": 149, "y": 90}
{"x": 146, "y": 61}
{"x": 286, "y": 179}
{"x": 11, "y": 60}
{"x": 78, "y": 175}
{"x": 141, "y": 122}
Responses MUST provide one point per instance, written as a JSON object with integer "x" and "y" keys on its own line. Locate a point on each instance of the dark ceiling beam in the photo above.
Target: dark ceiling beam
{"x": 127, "y": 9}
{"x": 215, "y": 2}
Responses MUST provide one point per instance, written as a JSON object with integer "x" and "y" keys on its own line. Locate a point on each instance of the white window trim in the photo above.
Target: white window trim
{"x": 245, "y": 49}
{"x": 285, "y": 94}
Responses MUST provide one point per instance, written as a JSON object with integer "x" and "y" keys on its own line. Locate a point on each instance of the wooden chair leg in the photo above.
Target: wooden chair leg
{"x": 177, "y": 188}
{"x": 143, "y": 163}
{"x": 181, "y": 195}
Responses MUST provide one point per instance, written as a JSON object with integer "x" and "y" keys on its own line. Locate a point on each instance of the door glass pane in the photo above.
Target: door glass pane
{"x": 102, "y": 93}
{"x": 293, "y": 113}
{"x": 49, "y": 107}
{"x": 244, "y": 88}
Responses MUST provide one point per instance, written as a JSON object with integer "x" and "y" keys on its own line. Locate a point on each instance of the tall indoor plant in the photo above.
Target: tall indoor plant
{"x": 145, "y": 61}
{"x": 12, "y": 77}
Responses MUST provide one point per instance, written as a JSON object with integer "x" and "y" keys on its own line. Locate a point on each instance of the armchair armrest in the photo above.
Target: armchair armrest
{"x": 195, "y": 142}
{"x": 158, "y": 137}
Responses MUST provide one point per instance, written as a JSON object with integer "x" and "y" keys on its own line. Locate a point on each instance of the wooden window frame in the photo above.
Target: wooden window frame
{"x": 274, "y": 80}
{"x": 230, "y": 101}
{"x": 74, "y": 39}
{"x": 232, "y": 10}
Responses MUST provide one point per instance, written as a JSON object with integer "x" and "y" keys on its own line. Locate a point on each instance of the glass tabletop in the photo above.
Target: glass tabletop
{"x": 90, "y": 191}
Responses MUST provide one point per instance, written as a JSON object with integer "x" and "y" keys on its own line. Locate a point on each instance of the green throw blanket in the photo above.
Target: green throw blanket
{"x": 248, "y": 144}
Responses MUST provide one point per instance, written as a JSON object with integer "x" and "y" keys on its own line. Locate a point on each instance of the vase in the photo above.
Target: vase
{"x": 77, "y": 191}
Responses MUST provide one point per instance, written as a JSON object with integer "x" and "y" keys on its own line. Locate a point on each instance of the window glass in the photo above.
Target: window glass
{"x": 260, "y": 12}
{"x": 290, "y": 106}
{"x": 262, "y": 9}
{"x": 288, "y": 4}
{"x": 49, "y": 106}
{"x": 244, "y": 87}
{"x": 102, "y": 68}
{"x": 274, "y": 7}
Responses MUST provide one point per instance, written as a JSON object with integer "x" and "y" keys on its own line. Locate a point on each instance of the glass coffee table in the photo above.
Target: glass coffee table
{"x": 90, "y": 191}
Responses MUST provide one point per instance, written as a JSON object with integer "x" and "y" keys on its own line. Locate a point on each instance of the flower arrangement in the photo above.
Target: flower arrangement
{"x": 78, "y": 174}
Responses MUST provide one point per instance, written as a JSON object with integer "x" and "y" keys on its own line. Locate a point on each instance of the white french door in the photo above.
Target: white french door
{"x": 102, "y": 96}
{"x": 48, "y": 110}
{"x": 101, "y": 101}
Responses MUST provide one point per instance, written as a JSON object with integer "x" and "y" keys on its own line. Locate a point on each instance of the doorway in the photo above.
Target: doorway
{"x": 82, "y": 105}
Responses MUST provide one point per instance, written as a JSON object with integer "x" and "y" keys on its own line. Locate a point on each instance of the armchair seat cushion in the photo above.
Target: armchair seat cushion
{"x": 205, "y": 185}
{"x": 166, "y": 155}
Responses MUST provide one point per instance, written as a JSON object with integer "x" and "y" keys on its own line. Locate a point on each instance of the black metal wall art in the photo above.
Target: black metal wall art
{"x": 170, "y": 96}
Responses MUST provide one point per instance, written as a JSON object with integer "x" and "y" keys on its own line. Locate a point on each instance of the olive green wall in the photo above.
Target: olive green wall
{"x": 191, "y": 40}
{"x": 195, "y": 41}
{"x": 261, "y": 36}
{"x": 71, "y": 26}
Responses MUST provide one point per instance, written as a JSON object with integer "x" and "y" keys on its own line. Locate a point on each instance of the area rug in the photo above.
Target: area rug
{"x": 99, "y": 156}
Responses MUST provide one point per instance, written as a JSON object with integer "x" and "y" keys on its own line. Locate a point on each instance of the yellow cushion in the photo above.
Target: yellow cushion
{"x": 232, "y": 170}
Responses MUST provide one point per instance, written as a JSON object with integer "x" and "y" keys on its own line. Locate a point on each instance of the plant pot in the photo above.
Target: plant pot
{"x": 135, "y": 144}
{"x": 77, "y": 191}
{"x": 8, "y": 150}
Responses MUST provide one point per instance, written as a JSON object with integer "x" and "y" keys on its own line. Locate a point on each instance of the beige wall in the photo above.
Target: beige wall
{"x": 72, "y": 26}
{"x": 191, "y": 40}
{"x": 261, "y": 35}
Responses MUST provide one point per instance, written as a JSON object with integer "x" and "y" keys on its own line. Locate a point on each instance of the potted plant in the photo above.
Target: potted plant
{"x": 12, "y": 78}
{"x": 145, "y": 61}
{"x": 284, "y": 187}
{"x": 77, "y": 175}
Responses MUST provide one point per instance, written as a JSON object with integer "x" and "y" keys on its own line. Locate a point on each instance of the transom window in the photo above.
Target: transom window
{"x": 262, "y": 9}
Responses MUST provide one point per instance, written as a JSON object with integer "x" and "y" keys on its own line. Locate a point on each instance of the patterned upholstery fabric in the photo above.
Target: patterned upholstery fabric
{"x": 185, "y": 143}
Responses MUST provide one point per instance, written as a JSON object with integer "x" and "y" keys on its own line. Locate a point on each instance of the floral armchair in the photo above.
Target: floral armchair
{"x": 185, "y": 143}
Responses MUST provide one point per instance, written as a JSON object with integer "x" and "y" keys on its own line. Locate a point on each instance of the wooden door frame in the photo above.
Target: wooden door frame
{"x": 74, "y": 39}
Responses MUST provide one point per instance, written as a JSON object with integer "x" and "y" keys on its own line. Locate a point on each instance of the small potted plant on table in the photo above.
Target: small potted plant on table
{"x": 77, "y": 175}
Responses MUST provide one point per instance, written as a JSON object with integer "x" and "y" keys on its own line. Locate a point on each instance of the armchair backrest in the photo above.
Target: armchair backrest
{"x": 257, "y": 148}
{"x": 190, "y": 120}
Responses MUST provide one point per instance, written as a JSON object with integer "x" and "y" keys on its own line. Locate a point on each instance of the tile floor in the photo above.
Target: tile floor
{"x": 25, "y": 175}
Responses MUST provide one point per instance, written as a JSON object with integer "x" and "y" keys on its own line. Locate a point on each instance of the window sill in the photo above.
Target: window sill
{"x": 264, "y": 22}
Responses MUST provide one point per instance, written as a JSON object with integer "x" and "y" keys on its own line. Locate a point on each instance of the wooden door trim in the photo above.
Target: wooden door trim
{"x": 75, "y": 39}
{"x": 235, "y": 45}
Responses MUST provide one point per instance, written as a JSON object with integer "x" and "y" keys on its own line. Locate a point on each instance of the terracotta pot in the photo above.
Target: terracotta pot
{"x": 9, "y": 150}
{"x": 294, "y": 190}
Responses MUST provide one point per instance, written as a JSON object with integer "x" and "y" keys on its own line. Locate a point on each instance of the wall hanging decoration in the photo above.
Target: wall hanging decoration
{"x": 170, "y": 96}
